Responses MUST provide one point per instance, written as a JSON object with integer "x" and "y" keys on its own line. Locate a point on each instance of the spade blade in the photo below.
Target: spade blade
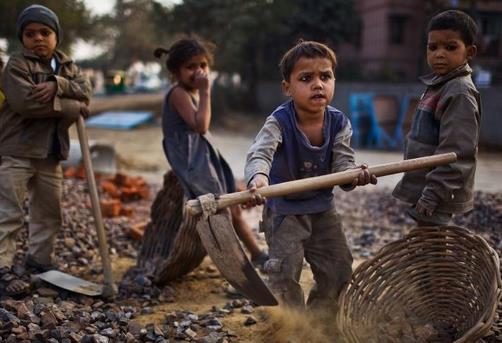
{"x": 222, "y": 245}
{"x": 71, "y": 283}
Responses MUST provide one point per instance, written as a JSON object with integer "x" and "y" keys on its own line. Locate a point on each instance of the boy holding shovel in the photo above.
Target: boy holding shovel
{"x": 305, "y": 137}
{"x": 45, "y": 93}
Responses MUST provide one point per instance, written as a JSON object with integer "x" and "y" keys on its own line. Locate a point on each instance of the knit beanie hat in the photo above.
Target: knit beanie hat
{"x": 38, "y": 14}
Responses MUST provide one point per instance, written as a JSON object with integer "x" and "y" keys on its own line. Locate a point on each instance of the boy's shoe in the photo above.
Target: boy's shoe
{"x": 260, "y": 260}
{"x": 38, "y": 267}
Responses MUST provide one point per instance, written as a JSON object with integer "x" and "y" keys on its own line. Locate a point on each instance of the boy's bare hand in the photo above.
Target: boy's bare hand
{"x": 44, "y": 92}
{"x": 364, "y": 177}
{"x": 258, "y": 181}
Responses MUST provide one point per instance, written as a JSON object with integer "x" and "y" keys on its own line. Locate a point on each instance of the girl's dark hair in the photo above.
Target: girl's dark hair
{"x": 184, "y": 49}
{"x": 457, "y": 21}
{"x": 308, "y": 49}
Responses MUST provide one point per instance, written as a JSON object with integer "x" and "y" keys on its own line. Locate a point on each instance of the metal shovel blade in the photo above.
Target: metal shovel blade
{"x": 71, "y": 283}
{"x": 222, "y": 245}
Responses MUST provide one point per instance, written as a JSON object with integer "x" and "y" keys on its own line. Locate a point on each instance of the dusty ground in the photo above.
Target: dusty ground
{"x": 199, "y": 292}
{"x": 371, "y": 217}
{"x": 140, "y": 153}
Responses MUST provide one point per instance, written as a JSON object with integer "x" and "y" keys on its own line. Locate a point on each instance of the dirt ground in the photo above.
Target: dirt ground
{"x": 199, "y": 293}
{"x": 140, "y": 153}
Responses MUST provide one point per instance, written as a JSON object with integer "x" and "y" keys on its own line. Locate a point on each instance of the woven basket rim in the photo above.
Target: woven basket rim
{"x": 383, "y": 258}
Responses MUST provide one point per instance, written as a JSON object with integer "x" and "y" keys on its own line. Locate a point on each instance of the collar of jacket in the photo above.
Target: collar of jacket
{"x": 434, "y": 80}
{"x": 60, "y": 56}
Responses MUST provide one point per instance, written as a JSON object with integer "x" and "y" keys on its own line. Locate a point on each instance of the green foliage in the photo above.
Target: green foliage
{"x": 134, "y": 30}
{"x": 131, "y": 32}
{"x": 332, "y": 22}
{"x": 251, "y": 36}
{"x": 74, "y": 17}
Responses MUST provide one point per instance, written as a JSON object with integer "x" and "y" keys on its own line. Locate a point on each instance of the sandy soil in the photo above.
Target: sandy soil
{"x": 199, "y": 291}
{"x": 140, "y": 153}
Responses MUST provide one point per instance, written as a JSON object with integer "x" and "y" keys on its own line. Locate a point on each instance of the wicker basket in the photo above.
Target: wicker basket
{"x": 437, "y": 284}
{"x": 171, "y": 245}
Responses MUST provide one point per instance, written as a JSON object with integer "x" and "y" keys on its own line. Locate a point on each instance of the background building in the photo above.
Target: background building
{"x": 391, "y": 41}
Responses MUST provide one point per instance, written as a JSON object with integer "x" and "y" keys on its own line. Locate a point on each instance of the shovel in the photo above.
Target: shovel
{"x": 67, "y": 281}
{"x": 222, "y": 245}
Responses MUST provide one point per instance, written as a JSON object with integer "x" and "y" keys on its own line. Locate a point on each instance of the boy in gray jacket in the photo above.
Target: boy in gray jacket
{"x": 305, "y": 137}
{"x": 44, "y": 94}
{"x": 447, "y": 119}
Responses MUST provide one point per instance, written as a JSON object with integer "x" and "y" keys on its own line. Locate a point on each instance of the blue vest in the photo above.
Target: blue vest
{"x": 296, "y": 159}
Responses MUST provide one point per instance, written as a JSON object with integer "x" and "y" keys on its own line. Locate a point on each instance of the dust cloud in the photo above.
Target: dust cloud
{"x": 283, "y": 325}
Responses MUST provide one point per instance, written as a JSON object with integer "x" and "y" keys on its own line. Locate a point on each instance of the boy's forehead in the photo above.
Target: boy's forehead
{"x": 444, "y": 35}
{"x": 304, "y": 64}
{"x": 36, "y": 26}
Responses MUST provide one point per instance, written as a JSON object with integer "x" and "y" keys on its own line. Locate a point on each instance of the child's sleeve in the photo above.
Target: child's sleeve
{"x": 458, "y": 133}
{"x": 17, "y": 85}
{"x": 261, "y": 153}
{"x": 343, "y": 156}
{"x": 77, "y": 86}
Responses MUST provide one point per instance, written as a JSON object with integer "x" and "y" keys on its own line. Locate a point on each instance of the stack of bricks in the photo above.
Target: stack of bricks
{"x": 122, "y": 189}
{"x": 116, "y": 191}
{"x": 76, "y": 173}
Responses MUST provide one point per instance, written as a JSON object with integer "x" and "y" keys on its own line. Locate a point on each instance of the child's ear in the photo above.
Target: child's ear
{"x": 285, "y": 88}
{"x": 471, "y": 52}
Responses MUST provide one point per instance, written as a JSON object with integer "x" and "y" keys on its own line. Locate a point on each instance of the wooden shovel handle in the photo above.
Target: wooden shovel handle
{"x": 108, "y": 288}
{"x": 324, "y": 181}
